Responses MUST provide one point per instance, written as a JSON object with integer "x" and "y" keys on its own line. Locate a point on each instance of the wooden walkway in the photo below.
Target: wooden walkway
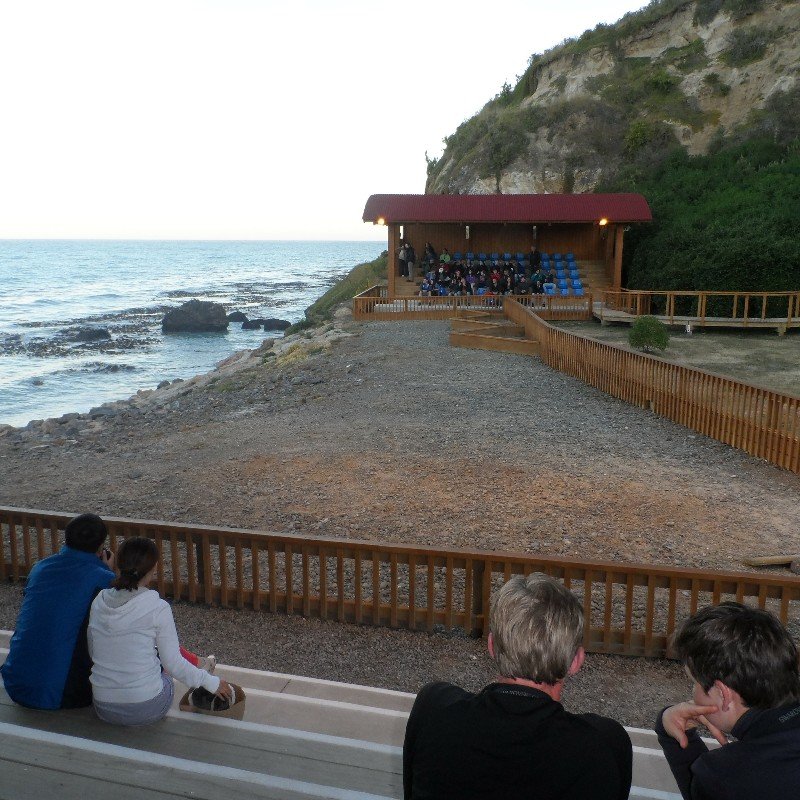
{"x": 301, "y": 738}
{"x": 777, "y": 310}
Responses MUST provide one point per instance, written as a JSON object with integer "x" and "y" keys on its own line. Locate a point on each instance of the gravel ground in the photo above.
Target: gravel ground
{"x": 392, "y": 435}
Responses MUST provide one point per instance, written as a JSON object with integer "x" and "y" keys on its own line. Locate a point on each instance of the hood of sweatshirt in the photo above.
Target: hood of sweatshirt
{"x": 113, "y": 605}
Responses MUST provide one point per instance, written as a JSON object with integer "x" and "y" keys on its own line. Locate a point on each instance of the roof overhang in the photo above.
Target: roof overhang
{"x": 534, "y": 209}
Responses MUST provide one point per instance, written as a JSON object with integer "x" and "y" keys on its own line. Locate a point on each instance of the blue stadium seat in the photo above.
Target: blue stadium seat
{"x": 506, "y": 256}
{"x": 482, "y": 256}
{"x": 456, "y": 256}
{"x": 470, "y": 256}
{"x": 481, "y": 290}
{"x": 495, "y": 256}
{"x": 549, "y": 289}
{"x": 564, "y": 291}
{"x": 576, "y": 284}
{"x": 570, "y": 256}
{"x": 520, "y": 256}
{"x": 557, "y": 256}
{"x": 577, "y": 291}
{"x": 562, "y": 283}
{"x": 574, "y": 274}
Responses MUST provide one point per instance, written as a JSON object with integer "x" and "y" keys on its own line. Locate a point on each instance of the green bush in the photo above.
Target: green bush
{"x": 359, "y": 278}
{"x": 648, "y": 334}
{"x": 739, "y": 9}
{"x": 716, "y": 84}
{"x": 706, "y": 10}
{"x": 746, "y": 45}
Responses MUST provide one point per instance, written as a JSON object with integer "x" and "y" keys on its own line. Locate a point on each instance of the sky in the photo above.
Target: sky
{"x": 245, "y": 119}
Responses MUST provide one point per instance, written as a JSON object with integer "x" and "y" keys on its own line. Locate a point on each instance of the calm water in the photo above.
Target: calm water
{"x": 49, "y": 289}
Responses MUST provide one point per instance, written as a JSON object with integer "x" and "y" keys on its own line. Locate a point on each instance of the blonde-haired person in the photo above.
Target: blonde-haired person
{"x": 514, "y": 739}
{"x": 134, "y": 645}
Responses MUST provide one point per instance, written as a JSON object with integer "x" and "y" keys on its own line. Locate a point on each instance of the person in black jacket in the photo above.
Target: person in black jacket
{"x": 514, "y": 740}
{"x": 746, "y": 679}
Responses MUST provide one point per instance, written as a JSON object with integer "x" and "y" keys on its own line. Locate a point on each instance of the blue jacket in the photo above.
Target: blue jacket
{"x": 58, "y": 594}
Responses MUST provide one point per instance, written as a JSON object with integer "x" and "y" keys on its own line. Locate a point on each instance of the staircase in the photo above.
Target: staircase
{"x": 302, "y": 738}
{"x": 490, "y": 330}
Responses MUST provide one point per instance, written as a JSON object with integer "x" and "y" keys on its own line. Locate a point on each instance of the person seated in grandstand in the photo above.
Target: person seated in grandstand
{"x": 472, "y": 280}
{"x": 744, "y": 666}
{"x": 430, "y": 256}
{"x": 482, "y": 278}
{"x": 539, "y": 280}
{"x": 494, "y": 287}
{"x": 134, "y": 645}
{"x": 522, "y": 286}
{"x": 514, "y": 740}
{"x": 426, "y": 287}
{"x": 48, "y": 663}
{"x": 535, "y": 258}
{"x": 495, "y": 274}
{"x": 444, "y": 256}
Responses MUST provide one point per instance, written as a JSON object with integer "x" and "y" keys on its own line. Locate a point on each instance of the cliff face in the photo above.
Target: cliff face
{"x": 687, "y": 73}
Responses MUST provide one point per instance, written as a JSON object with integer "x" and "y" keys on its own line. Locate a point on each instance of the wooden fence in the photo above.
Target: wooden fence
{"x": 630, "y": 609}
{"x": 375, "y": 305}
{"x": 759, "y": 421}
{"x": 780, "y": 310}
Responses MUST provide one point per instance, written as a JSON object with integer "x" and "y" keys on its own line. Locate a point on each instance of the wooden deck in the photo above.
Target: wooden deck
{"x": 301, "y": 738}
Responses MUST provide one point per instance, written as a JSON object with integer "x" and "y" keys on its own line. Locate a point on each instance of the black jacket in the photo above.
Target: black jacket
{"x": 763, "y": 764}
{"x": 510, "y": 742}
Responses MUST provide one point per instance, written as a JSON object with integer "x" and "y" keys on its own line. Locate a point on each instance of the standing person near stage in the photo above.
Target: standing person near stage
{"x": 401, "y": 259}
{"x": 134, "y": 645}
{"x": 411, "y": 258}
{"x": 48, "y": 662}
{"x": 746, "y": 679}
{"x": 514, "y": 740}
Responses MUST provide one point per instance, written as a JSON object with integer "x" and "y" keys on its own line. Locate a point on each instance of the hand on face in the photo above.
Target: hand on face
{"x": 108, "y": 558}
{"x": 685, "y": 716}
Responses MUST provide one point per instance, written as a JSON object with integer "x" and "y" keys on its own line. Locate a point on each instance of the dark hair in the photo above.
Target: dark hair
{"x": 86, "y": 533}
{"x": 135, "y": 558}
{"x": 746, "y": 648}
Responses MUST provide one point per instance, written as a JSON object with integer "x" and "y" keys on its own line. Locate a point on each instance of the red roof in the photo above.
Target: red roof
{"x": 530, "y": 208}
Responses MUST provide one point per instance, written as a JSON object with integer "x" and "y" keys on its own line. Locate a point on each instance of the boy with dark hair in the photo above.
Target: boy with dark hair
{"x": 48, "y": 663}
{"x": 746, "y": 677}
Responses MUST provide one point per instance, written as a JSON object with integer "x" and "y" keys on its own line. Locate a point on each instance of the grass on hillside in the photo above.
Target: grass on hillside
{"x": 360, "y": 277}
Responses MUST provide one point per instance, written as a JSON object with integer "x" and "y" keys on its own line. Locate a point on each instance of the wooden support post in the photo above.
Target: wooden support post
{"x": 392, "y": 263}
{"x": 619, "y": 232}
{"x": 476, "y": 631}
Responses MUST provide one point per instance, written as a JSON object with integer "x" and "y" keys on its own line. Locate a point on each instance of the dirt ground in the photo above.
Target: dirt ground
{"x": 760, "y": 357}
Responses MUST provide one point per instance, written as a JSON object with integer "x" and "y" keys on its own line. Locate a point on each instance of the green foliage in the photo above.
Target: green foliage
{"x": 706, "y": 10}
{"x": 639, "y": 134}
{"x": 688, "y": 58}
{"x": 648, "y": 334}
{"x": 505, "y": 142}
{"x": 716, "y": 84}
{"x": 746, "y": 45}
{"x": 739, "y": 9}
{"x": 359, "y": 278}
{"x": 430, "y": 164}
{"x": 778, "y": 119}
{"x": 726, "y": 221}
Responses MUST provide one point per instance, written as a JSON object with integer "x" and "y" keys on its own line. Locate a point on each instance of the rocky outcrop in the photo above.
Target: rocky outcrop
{"x": 197, "y": 316}
{"x": 89, "y": 334}
{"x": 237, "y": 316}
{"x": 273, "y": 324}
{"x": 691, "y": 73}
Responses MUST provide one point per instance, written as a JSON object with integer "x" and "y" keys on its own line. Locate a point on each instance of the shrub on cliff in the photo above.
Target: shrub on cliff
{"x": 648, "y": 334}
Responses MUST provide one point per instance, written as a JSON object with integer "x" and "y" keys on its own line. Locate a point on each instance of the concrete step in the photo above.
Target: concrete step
{"x": 301, "y": 738}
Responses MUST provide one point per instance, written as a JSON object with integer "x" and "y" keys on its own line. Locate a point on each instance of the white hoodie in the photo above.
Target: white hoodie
{"x": 131, "y": 636}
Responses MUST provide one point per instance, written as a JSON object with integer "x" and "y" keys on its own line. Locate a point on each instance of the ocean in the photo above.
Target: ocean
{"x": 49, "y": 290}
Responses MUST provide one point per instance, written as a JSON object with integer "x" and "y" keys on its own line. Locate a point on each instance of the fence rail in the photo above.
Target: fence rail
{"x": 743, "y": 309}
{"x": 630, "y": 609}
{"x": 374, "y": 304}
{"x": 759, "y": 421}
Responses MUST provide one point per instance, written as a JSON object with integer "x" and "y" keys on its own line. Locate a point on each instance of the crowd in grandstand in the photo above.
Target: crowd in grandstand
{"x": 492, "y": 274}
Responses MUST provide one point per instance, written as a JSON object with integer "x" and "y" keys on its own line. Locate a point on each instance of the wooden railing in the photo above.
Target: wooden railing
{"x": 759, "y": 421}
{"x": 744, "y": 309}
{"x": 630, "y": 609}
{"x": 374, "y": 304}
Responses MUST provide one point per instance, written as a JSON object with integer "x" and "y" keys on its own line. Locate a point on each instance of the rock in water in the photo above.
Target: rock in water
{"x": 237, "y": 316}
{"x": 252, "y": 324}
{"x": 196, "y": 316}
{"x": 272, "y": 324}
{"x": 89, "y": 334}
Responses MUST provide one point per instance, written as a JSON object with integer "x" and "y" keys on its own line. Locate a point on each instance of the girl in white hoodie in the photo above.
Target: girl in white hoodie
{"x": 134, "y": 645}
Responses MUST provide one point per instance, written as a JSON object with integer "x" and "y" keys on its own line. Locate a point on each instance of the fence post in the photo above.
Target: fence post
{"x": 199, "y": 561}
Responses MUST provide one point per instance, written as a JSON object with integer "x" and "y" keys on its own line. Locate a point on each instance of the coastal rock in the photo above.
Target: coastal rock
{"x": 252, "y": 324}
{"x": 237, "y": 316}
{"x": 273, "y": 324}
{"x": 88, "y": 334}
{"x": 197, "y": 316}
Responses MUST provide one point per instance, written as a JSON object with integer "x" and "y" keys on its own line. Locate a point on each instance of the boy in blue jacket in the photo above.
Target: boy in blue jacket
{"x": 48, "y": 663}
